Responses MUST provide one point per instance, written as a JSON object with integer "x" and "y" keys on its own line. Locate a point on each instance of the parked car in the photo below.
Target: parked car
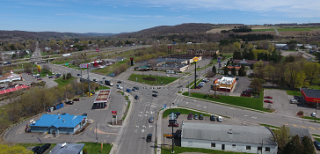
{"x": 35, "y": 149}
{"x": 39, "y": 79}
{"x": 196, "y": 116}
{"x": 219, "y": 118}
{"x": 268, "y": 97}
{"x": 76, "y": 99}
{"x": 50, "y": 77}
{"x": 268, "y": 101}
{"x": 149, "y": 137}
{"x": 136, "y": 97}
{"x": 119, "y": 82}
{"x": 317, "y": 145}
{"x": 78, "y": 74}
{"x": 178, "y": 114}
{"x": 69, "y": 102}
{"x": 237, "y": 78}
{"x": 190, "y": 115}
{"x": 293, "y": 101}
{"x": 205, "y": 80}
{"x": 43, "y": 148}
{"x": 154, "y": 91}
{"x": 173, "y": 124}
{"x": 154, "y": 95}
{"x": 151, "y": 119}
{"x": 133, "y": 89}
{"x": 119, "y": 87}
{"x": 313, "y": 114}
{"x": 128, "y": 90}
{"x": 137, "y": 88}
{"x": 198, "y": 87}
{"x": 201, "y": 117}
{"x": 212, "y": 118}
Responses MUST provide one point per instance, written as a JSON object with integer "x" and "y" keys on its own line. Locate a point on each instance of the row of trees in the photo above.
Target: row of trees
{"x": 275, "y": 56}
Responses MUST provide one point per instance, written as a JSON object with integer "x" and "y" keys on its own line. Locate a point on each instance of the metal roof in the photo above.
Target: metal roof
{"x": 69, "y": 148}
{"x": 66, "y": 120}
{"x": 311, "y": 92}
{"x": 301, "y": 132}
{"x": 103, "y": 96}
{"x": 219, "y": 132}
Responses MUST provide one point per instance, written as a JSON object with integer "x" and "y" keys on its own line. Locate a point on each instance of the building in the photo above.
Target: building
{"x": 68, "y": 148}
{"x": 9, "y": 77}
{"x": 228, "y": 138}
{"x": 311, "y": 97}
{"x": 102, "y": 98}
{"x": 202, "y": 52}
{"x": 15, "y": 88}
{"x": 58, "y": 123}
{"x": 225, "y": 84}
{"x": 172, "y": 67}
{"x": 247, "y": 62}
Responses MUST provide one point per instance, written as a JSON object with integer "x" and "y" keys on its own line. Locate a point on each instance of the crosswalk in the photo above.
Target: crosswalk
{"x": 149, "y": 111}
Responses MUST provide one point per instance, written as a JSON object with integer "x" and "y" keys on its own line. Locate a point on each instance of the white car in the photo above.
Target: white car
{"x": 313, "y": 114}
{"x": 119, "y": 87}
{"x": 220, "y": 119}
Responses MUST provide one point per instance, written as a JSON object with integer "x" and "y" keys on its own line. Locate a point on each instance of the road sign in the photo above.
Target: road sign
{"x": 67, "y": 64}
{"x": 174, "y": 43}
{"x": 219, "y": 59}
{"x": 83, "y": 65}
{"x": 195, "y": 59}
{"x": 97, "y": 50}
{"x": 219, "y": 64}
{"x": 131, "y": 58}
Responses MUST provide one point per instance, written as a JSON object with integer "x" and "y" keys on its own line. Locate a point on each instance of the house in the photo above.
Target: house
{"x": 282, "y": 46}
{"x": 235, "y": 138}
{"x": 58, "y": 123}
{"x": 68, "y": 148}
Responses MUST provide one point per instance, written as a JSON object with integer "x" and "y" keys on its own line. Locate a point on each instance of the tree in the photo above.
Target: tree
{"x": 214, "y": 70}
{"x": 317, "y": 56}
{"x": 242, "y": 71}
{"x": 269, "y": 70}
{"x": 258, "y": 69}
{"x": 237, "y": 55}
{"x": 294, "y": 146}
{"x": 226, "y": 70}
{"x": 282, "y": 136}
{"x": 14, "y": 149}
{"x": 251, "y": 66}
{"x": 312, "y": 70}
{"x": 251, "y": 55}
{"x": 234, "y": 71}
{"x": 271, "y": 48}
{"x": 307, "y": 145}
{"x": 256, "y": 86}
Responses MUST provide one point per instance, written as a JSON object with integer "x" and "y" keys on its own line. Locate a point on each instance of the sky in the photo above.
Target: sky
{"x": 116, "y": 16}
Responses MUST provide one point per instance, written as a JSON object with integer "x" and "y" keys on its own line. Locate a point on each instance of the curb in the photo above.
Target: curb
{"x": 83, "y": 131}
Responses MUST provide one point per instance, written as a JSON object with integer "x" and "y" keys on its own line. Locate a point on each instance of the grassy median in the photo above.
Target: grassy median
{"x": 151, "y": 80}
{"x": 177, "y": 149}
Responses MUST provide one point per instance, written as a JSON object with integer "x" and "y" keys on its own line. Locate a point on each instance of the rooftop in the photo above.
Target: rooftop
{"x": 227, "y": 133}
{"x": 226, "y": 80}
{"x": 103, "y": 96}
{"x": 68, "y": 148}
{"x": 301, "y": 132}
{"x": 66, "y": 120}
{"x": 311, "y": 92}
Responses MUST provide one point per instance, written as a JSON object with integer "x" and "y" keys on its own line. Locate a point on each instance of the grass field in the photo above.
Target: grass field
{"x": 253, "y": 103}
{"x": 160, "y": 80}
{"x": 316, "y": 87}
{"x": 62, "y": 82}
{"x": 311, "y": 118}
{"x": 110, "y": 69}
{"x": 262, "y": 30}
{"x": 177, "y": 150}
{"x": 182, "y": 111}
{"x": 295, "y": 29}
{"x": 293, "y": 92}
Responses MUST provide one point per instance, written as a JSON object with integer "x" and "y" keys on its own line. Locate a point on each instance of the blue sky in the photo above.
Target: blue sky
{"x": 115, "y": 16}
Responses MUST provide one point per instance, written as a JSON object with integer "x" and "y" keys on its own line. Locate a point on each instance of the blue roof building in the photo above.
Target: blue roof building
{"x": 56, "y": 123}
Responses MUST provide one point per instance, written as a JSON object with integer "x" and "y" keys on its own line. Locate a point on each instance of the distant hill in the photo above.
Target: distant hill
{"x": 169, "y": 30}
{"x": 98, "y": 34}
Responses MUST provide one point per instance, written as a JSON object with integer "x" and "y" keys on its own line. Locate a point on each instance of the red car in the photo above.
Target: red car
{"x": 268, "y": 97}
{"x": 39, "y": 79}
{"x": 174, "y": 125}
{"x": 268, "y": 101}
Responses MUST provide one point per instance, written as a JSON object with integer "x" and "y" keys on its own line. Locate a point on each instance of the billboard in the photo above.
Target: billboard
{"x": 195, "y": 59}
{"x": 83, "y": 65}
{"x": 97, "y": 50}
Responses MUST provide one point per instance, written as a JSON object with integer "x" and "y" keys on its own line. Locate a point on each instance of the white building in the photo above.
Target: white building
{"x": 9, "y": 77}
{"x": 247, "y": 139}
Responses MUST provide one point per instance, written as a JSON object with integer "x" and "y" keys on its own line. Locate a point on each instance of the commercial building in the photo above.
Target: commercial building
{"x": 228, "y": 138}
{"x": 58, "y": 123}
{"x": 9, "y": 77}
{"x": 311, "y": 97}
{"x": 225, "y": 84}
{"x": 202, "y": 52}
{"x": 68, "y": 148}
{"x": 102, "y": 98}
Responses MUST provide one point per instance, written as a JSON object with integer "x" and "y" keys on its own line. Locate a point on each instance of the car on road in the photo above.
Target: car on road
{"x": 201, "y": 117}
{"x": 43, "y": 148}
{"x": 268, "y": 101}
{"x": 69, "y": 102}
{"x": 119, "y": 82}
{"x": 268, "y": 97}
{"x": 95, "y": 80}
{"x": 149, "y": 137}
{"x": 190, "y": 115}
{"x": 50, "y": 77}
{"x": 212, "y": 118}
{"x": 154, "y": 95}
{"x": 196, "y": 116}
{"x": 78, "y": 74}
{"x": 137, "y": 88}
{"x": 136, "y": 97}
{"x": 237, "y": 78}
{"x": 219, "y": 118}
{"x": 119, "y": 87}
{"x": 39, "y": 79}
{"x": 154, "y": 91}
{"x": 317, "y": 145}
{"x": 313, "y": 114}
{"x": 133, "y": 89}
{"x": 76, "y": 99}
{"x": 151, "y": 119}
{"x": 173, "y": 124}
{"x": 104, "y": 78}
{"x": 35, "y": 149}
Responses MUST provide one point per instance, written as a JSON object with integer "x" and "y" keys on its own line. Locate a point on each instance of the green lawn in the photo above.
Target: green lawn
{"x": 316, "y": 135}
{"x": 94, "y": 148}
{"x": 262, "y": 30}
{"x": 316, "y": 87}
{"x": 62, "y": 82}
{"x": 198, "y": 81}
{"x": 253, "y": 103}
{"x": 111, "y": 68}
{"x": 182, "y": 111}
{"x": 293, "y": 92}
{"x": 318, "y": 139}
{"x": 160, "y": 80}
{"x": 311, "y": 118}
{"x": 192, "y": 83}
{"x": 269, "y": 126}
{"x": 103, "y": 87}
{"x": 177, "y": 150}
{"x": 295, "y": 29}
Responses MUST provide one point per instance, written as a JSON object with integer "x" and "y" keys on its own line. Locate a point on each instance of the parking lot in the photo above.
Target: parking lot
{"x": 243, "y": 84}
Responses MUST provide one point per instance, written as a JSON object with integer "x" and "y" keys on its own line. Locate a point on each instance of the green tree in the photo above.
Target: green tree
{"x": 237, "y": 45}
{"x": 234, "y": 71}
{"x": 317, "y": 54}
{"x": 251, "y": 55}
{"x": 271, "y": 48}
{"x": 251, "y": 66}
{"x": 256, "y": 86}
{"x": 237, "y": 55}
{"x": 258, "y": 69}
{"x": 312, "y": 70}
{"x": 214, "y": 70}
{"x": 5, "y": 149}
{"x": 294, "y": 146}
{"x": 307, "y": 145}
{"x": 282, "y": 136}
{"x": 242, "y": 71}
{"x": 226, "y": 70}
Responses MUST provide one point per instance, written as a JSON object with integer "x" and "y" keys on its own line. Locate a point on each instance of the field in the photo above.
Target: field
{"x": 294, "y": 93}
{"x": 62, "y": 82}
{"x": 151, "y": 80}
{"x": 263, "y": 30}
{"x": 297, "y": 29}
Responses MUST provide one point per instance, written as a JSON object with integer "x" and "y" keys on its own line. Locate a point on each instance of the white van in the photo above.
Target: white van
{"x": 220, "y": 119}
{"x": 293, "y": 101}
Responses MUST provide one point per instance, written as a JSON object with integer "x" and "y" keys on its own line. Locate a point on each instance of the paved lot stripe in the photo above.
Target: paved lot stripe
{"x": 312, "y": 128}
{"x": 303, "y": 126}
{"x": 90, "y": 128}
{"x": 319, "y": 128}
{"x": 294, "y": 125}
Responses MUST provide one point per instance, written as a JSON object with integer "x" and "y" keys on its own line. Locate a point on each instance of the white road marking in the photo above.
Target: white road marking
{"x": 231, "y": 108}
{"x": 151, "y": 112}
{"x": 139, "y": 115}
{"x": 186, "y": 103}
{"x": 150, "y": 126}
{"x": 142, "y": 130}
{"x": 144, "y": 126}
{"x": 204, "y": 107}
{"x": 137, "y": 126}
{"x": 145, "y": 115}
{"x": 245, "y": 115}
{"x": 254, "y": 117}
{"x": 147, "y": 112}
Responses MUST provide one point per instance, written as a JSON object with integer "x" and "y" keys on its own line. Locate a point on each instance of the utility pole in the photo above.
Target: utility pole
{"x": 262, "y": 146}
{"x": 188, "y": 88}
{"x": 195, "y": 75}
{"x": 315, "y": 117}
{"x": 96, "y": 132}
{"x": 123, "y": 87}
{"x": 81, "y": 81}
{"x": 89, "y": 81}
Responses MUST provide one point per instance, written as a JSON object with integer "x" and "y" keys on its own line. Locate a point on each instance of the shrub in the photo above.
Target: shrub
{"x": 85, "y": 151}
{"x": 300, "y": 113}
{"x": 69, "y": 76}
